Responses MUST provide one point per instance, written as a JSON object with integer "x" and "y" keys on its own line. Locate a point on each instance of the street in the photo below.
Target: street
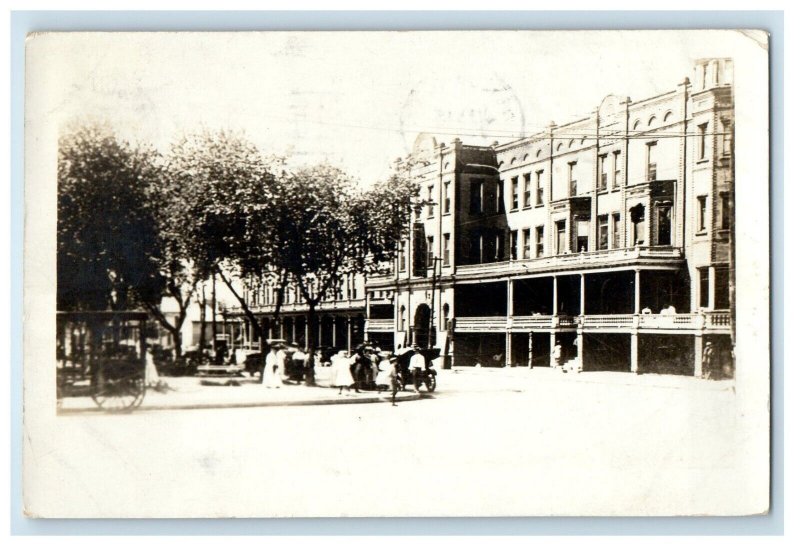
{"x": 488, "y": 442}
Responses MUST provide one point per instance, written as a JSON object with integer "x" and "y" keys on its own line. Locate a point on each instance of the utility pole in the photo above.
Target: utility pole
{"x": 433, "y": 303}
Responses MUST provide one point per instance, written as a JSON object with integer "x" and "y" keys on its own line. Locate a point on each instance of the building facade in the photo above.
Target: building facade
{"x": 609, "y": 236}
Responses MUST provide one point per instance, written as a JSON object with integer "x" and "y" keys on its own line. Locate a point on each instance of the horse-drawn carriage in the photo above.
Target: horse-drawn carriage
{"x": 102, "y": 354}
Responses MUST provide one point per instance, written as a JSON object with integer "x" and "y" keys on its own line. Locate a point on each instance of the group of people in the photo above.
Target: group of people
{"x": 286, "y": 361}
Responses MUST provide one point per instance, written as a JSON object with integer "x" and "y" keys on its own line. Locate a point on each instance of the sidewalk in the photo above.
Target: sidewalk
{"x": 240, "y": 392}
{"x": 516, "y": 378}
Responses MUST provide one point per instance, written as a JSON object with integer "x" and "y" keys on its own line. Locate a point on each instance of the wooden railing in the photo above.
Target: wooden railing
{"x": 380, "y": 325}
{"x": 574, "y": 259}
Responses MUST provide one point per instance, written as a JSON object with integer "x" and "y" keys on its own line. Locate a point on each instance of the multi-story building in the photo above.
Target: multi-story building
{"x": 609, "y": 235}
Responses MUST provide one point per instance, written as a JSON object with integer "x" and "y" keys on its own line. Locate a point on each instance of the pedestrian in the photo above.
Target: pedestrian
{"x": 283, "y": 357}
{"x": 708, "y": 360}
{"x": 417, "y": 366}
{"x": 270, "y": 377}
{"x": 340, "y": 366}
{"x": 555, "y": 355}
{"x": 298, "y": 363}
{"x": 357, "y": 367}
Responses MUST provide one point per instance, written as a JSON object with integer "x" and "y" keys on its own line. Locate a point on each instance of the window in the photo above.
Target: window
{"x": 430, "y": 201}
{"x": 499, "y": 246}
{"x": 512, "y": 244}
{"x": 573, "y": 180}
{"x": 401, "y": 256}
{"x": 476, "y": 197}
{"x": 561, "y": 237}
{"x": 429, "y": 248}
{"x": 615, "y": 230}
{"x": 702, "y": 143}
{"x": 637, "y": 219}
{"x": 475, "y": 247}
{"x": 727, "y": 138}
{"x": 701, "y": 213}
{"x": 526, "y": 244}
{"x": 652, "y": 166}
{"x": 446, "y": 191}
{"x": 539, "y": 188}
{"x": 703, "y": 281}
{"x": 514, "y": 193}
{"x": 582, "y": 234}
{"x": 725, "y": 210}
{"x": 617, "y": 178}
{"x": 446, "y": 249}
{"x": 602, "y": 182}
{"x": 526, "y": 190}
{"x": 539, "y": 241}
{"x": 722, "y": 295}
{"x": 602, "y": 232}
{"x": 501, "y": 199}
{"x": 664, "y": 228}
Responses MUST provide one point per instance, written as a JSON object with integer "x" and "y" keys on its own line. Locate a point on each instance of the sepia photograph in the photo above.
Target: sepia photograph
{"x": 450, "y": 273}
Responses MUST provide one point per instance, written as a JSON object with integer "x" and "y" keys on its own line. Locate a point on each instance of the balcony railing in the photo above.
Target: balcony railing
{"x": 713, "y": 321}
{"x": 594, "y": 258}
{"x": 480, "y": 324}
{"x": 380, "y": 325}
{"x": 335, "y": 305}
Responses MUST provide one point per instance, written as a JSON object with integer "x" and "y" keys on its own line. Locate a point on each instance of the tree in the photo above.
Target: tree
{"x": 332, "y": 229}
{"x": 223, "y": 197}
{"x": 107, "y": 235}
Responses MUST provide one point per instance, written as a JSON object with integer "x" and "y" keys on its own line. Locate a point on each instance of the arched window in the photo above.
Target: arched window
{"x": 513, "y": 160}
{"x": 538, "y": 153}
{"x": 651, "y": 121}
{"x": 558, "y": 148}
{"x": 401, "y": 320}
{"x": 668, "y": 117}
{"x": 636, "y": 125}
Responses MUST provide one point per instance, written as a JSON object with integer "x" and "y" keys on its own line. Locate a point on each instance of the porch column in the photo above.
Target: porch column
{"x": 281, "y": 328}
{"x": 553, "y": 363}
{"x": 530, "y": 349}
{"x": 636, "y": 296}
{"x": 333, "y": 331}
{"x": 634, "y": 352}
{"x": 349, "y": 334}
{"x": 579, "y": 343}
{"x": 305, "y": 334}
{"x": 555, "y": 295}
{"x": 293, "y": 320}
{"x": 712, "y": 278}
{"x": 583, "y": 294}
{"x": 319, "y": 330}
{"x": 698, "y": 355}
{"x": 508, "y": 348}
{"x": 510, "y": 298}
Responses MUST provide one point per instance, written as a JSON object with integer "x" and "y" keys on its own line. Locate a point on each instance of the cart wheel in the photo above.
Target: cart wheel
{"x": 120, "y": 395}
{"x": 430, "y": 382}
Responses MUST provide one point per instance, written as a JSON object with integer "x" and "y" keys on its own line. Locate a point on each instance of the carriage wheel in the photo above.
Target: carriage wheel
{"x": 120, "y": 395}
{"x": 430, "y": 382}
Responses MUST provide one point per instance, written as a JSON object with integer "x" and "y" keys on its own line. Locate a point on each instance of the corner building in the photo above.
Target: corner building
{"x": 610, "y": 236}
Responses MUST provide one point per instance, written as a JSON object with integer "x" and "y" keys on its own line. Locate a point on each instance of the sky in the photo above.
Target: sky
{"x": 358, "y": 100}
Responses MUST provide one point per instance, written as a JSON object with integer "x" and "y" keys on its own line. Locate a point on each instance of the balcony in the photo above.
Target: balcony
{"x": 380, "y": 325}
{"x": 333, "y": 305}
{"x": 638, "y": 255}
{"x": 709, "y": 322}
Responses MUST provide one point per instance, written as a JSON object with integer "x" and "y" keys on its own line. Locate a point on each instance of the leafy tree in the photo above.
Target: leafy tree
{"x": 223, "y": 197}
{"x": 331, "y": 229}
{"x": 106, "y": 230}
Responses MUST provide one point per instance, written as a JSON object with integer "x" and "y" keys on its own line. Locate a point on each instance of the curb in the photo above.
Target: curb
{"x": 254, "y": 404}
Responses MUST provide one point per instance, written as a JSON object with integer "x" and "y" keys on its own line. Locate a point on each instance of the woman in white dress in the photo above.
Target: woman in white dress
{"x": 341, "y": 371}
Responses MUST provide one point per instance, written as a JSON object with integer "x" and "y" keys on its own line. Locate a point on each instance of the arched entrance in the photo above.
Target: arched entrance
{"x": 423, "y": 334}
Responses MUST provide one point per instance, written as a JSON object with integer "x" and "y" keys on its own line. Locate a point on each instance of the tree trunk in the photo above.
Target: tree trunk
{"x": 214, "y": 312}
{"x": 243, "y": 304}
{"x": 202, "y": 322}
{"x": 312, "y": 343}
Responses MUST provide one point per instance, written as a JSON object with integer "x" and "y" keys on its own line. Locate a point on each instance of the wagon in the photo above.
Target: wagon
{"x": 102, "y": 354}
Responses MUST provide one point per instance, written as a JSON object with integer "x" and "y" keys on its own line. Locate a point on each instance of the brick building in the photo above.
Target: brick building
{"x": 610, "y": 235}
